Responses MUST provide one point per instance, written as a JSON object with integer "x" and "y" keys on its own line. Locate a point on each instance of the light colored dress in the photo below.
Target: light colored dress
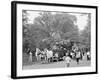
{"x": 67, "y": 59}
{"x": 30, "y": 57}
{"x": 78, "y": 55}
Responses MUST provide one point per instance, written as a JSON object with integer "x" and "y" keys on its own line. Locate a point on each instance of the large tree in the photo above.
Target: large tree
{"x": 49, "y": 27}
{"x": 56, "y": 24}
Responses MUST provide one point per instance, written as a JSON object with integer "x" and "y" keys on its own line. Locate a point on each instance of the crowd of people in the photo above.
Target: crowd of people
{"x": 58, "y": 52}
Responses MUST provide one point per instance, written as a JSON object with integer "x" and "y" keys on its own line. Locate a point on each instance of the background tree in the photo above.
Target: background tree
{"x": 86, "y": 33}
{"x": 26, "y": 31}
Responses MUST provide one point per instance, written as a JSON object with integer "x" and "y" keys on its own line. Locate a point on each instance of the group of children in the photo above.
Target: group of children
{"x": 78, "y": 56}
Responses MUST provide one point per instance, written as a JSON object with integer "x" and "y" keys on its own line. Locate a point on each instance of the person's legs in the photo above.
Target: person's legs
{"x": 87, "y": 57}
{"x": 81, "y": 57}
{"x": 68, "y": 65}
{"x": 48, "y": 60}
{"x": 77, "y": 60}
{"x": 37, "y": 57}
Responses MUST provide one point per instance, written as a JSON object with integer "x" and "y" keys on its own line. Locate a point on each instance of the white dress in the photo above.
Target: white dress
{"x": 30, "y": 57}
{"x": 67, "y": 59}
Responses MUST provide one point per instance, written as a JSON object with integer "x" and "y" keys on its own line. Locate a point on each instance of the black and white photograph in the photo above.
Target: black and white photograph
{"x": 54, "y": 39}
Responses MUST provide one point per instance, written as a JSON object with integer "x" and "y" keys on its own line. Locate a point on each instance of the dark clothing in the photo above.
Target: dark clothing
{"x": 77, "y": 60}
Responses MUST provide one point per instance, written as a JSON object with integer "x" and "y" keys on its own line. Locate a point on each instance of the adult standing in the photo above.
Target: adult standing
{"x": 78, "y": 55}
{"x": 30, "y": 56}
{"x": 88, "y": 56}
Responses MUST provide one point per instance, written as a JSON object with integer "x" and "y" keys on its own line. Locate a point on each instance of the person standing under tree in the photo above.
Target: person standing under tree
{"x": 30, "y": 56}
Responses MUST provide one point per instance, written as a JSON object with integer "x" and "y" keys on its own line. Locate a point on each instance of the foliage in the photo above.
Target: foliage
{"x": 48, "y": 28}
{"x": 86, "y": 33}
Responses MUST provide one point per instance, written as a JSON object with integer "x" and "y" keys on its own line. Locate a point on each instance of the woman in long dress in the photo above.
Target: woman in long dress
{"x": 37, "y": 54}
{"x": 30, "y": 56}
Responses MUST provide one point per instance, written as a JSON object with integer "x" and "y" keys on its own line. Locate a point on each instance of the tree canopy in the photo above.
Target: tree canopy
{"x": 48, "y": 27}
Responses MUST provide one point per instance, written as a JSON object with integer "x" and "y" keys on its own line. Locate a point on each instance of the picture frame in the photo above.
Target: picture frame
{"x": 17, "y": 10}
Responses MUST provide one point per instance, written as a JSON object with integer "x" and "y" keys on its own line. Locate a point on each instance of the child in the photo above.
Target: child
{"x": 68, "y": 60}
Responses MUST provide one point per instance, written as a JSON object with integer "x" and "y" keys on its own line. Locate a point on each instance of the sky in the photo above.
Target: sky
{"x": 81, "y": 18}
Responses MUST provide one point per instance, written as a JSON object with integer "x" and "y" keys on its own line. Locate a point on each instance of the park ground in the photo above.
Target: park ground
{"x": 59, "y": 64}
